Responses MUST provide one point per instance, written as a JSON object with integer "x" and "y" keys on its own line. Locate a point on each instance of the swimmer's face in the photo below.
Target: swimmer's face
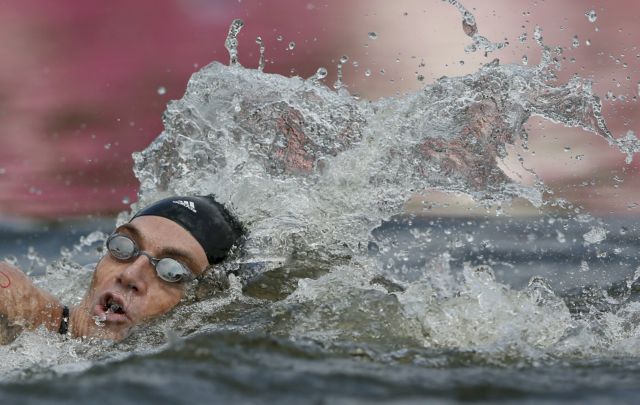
{"x": 134, "y": 285}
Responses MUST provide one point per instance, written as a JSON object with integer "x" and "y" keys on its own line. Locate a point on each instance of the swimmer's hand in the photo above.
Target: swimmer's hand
{"x": 23, "y": 305}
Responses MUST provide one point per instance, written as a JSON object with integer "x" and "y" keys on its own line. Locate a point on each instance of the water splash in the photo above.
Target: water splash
{"x": 99, "y": 320}
{"x": 311, "y": 158}
{"x": 470, "y": 28}
{"x": 231, "y": 43}
{"x": 537, "y": 35}
{"x": 595, "y": 235}
{"x": 261, "y": 49}
{"x": 338, "y": 84}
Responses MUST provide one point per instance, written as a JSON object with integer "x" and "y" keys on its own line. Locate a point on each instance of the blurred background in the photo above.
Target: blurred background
{"x": 84, "y": 84}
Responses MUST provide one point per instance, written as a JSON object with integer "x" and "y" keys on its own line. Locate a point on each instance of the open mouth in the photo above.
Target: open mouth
{"x": 113, "y": 306}
{"x": 110, "y": 308}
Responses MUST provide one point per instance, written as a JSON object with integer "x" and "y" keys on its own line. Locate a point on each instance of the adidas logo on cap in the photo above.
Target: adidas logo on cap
{"x": 187, "y": 204}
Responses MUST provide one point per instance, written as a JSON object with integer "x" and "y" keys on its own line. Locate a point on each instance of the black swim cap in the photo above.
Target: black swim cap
{"x": 203, "y": 217}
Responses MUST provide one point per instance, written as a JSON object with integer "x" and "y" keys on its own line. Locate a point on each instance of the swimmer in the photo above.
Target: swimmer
{"x": 149, "y": 263}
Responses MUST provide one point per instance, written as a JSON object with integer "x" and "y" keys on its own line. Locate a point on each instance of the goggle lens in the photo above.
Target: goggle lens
{"x": 121, "y": 247}
{"x": 171, "y": 270}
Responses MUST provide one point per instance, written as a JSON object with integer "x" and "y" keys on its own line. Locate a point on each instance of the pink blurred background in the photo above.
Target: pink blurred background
{"x": 84, "y": 84}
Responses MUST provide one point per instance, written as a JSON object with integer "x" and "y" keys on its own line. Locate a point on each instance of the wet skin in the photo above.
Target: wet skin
{"x": 134, "y": 285}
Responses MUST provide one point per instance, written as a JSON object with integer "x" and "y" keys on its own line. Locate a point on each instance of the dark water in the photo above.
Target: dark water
{"x": 518, "y": 248}
{"x": 234, "y": 367}
{"x": 45, "y": 239}
{"x": 244, "y": 357}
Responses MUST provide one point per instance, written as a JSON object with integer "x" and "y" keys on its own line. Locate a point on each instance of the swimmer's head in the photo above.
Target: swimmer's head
{"x": 151, "y": 261}
{"x": 215, "y": 229}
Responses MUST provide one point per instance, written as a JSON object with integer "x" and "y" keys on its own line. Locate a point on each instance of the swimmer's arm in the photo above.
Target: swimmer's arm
{"x": 25, "y": 305}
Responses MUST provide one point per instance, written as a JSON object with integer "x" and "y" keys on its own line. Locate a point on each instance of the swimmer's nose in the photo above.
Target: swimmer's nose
{"x": 134, "y": 275}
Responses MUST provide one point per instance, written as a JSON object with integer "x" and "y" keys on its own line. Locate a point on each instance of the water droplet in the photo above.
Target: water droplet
{"x": 368, "y": 73}
{"x": 595, "y": 235}
{"x": 279, "y": 38}
{"x": 623, "y": 230}
{"x": 469, "y": 24}
{"x": 420, "y": 78}
{"x": 579, "y": 157}
{"x": 355, "y": 63}
{"x": 567, "y": 148}
{"x": 291, "y": 46}
{"x": 162, "y": 90}
{"x": 584, "y": 266}
{"x": 126, "y": 200}
{"x": 100, "y": 320}
{"x": 107, "y": 146}
{"x": 525, "y": 60}
{"x": 575, "y": 42}
{"x": 523, "y": 37}
{"x": 591, "y": 15}
{"x": 382, "y": 71}
{"x": 461, "y": 63}
{"x": 587, "y": 42}
{"x": 373, "y": 35}
{"x": 338, "y": 83}
{"x": 320, "y": 74}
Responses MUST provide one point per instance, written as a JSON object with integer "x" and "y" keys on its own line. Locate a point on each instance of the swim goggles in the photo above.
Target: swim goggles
{"x": 123, "y": 248}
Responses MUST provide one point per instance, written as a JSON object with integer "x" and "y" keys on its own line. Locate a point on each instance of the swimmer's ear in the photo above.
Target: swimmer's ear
{"x": 213, "y": 280}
